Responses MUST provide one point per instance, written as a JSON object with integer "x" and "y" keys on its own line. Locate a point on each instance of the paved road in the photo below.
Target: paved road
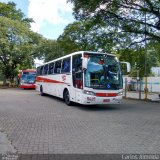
{"x": 43, "y": 125}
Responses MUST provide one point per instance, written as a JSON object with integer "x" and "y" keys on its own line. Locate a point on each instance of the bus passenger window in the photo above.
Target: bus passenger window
{"x": 38, "y": 71}
{"x": 77, "y": 62}
{"x": 45, "y": 70}
{"x": 77, "y": 71}
{"x": 51, "y": 68}
{"x": 41, "y": 70}
{"x": 57, "y": 68}
{"x": 66, "y": 65}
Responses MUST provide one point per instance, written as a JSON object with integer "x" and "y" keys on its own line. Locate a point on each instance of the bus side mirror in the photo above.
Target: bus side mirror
{"x": 85, "y": 63}
{"x": 126, "y": 67}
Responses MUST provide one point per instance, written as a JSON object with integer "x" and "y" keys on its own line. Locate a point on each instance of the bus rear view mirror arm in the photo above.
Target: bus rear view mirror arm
{"x": 128, "y": 66}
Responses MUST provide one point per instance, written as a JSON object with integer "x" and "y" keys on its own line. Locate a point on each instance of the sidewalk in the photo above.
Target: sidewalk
{"x": 154, "y": 97}
{"x": 5, "y": 145}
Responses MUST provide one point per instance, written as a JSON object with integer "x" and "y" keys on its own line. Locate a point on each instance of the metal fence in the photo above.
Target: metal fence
{"x": 134, "y": 88}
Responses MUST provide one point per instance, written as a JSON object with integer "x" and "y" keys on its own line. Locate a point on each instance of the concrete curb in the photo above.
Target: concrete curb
{"x": 148, "y": 100}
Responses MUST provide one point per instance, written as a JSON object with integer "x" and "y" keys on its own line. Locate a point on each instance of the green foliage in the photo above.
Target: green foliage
{"x": 1, "y": 75}
{"x": 83, "y": 36}
{"x": 125, "y": 15}
{"x": 9, "y": 10}
{"x": 77, "y": 36}
{"x": 48, "y": 50}
{"x": 137, "y": 60}
{"x": 118, "y": 26}
{"x": 17, "y": 43}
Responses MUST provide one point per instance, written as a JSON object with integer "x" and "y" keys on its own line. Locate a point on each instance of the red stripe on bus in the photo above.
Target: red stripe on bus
{"x": 41, "y": 79}
{"x": 27, "y": 86}
{"x": 106, "y": 94}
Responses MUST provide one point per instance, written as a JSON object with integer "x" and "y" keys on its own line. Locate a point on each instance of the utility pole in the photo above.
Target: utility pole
{"x": 145, "y": 61}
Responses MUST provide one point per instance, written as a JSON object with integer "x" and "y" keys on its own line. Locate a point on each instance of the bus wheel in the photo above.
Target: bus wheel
{"x": 41, "y": 91}
{"x": 67, "y": 98}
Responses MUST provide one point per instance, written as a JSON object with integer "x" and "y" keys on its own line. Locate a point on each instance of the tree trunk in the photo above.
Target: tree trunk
{"x": 4, "y": 81}
{"x": 11, "y": 81}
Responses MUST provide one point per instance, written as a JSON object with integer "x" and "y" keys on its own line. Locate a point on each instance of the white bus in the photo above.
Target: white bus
{"x": 83, "y": 77}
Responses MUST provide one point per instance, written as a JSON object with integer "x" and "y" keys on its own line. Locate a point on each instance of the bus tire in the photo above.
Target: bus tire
{"x": 41, "y": 91}
{"x": 66, "y": 97}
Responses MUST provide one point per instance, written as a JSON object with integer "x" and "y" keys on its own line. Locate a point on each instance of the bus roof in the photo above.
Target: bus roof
{"x": 29, "y": 70}
{"x": 74, "y": 53}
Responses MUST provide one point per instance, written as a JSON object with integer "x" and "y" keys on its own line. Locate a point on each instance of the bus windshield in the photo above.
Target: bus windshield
{"x": 103, "y": 72}
{"x": 28, "y": 77}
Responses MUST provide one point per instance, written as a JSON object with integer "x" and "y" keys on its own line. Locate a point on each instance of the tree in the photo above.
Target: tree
{"x": 76, "y": 36}
{"x": 48, "y": 50}
{"x": 17, "y": 46}
{"x": 130, "y": 22}
{"x": 17, "y": 42}
{"x": 136, "y": 59}
{"x": 70, "y": 40}
{"x": 128, "y": 16}
{"x": 81, "y": 35}
{"x": 9, "y": 10}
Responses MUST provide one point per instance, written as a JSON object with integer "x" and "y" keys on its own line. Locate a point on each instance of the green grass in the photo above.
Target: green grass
{"x": 1, "y": 83}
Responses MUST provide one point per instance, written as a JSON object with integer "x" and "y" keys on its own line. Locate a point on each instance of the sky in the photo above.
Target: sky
{"x": 50, "y": 16}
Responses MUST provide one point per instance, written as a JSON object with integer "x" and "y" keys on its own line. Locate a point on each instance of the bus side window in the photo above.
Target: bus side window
{"x": 38, "y": 71}
{"x": 45, "y": 70}
{"x": 77, "y": 62}
{"x": 51, "y": 68}
{"x": 57, "y": 68}
{"x": 77, "y": 71}
{"x": 41, "y": 70}
{"x": 66, "y": 65}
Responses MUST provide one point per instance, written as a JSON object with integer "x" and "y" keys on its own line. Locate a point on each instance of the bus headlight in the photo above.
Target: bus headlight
{"x": 89, "y": 92}
{"x": 120, "y": 94}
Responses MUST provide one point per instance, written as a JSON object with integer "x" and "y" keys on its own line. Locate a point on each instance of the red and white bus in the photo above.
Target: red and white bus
{"x": 83, "y": 77}
{"x": 27, "y": 79}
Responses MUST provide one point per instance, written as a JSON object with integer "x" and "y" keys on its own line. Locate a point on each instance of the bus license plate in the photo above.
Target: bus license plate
{"x": 91, "y": 98}
{"x": 106, "y": 100}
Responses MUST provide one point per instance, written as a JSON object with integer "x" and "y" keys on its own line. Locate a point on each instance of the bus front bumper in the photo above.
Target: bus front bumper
{"x": 93, "y": 100}
{"x": 27, "y": 86}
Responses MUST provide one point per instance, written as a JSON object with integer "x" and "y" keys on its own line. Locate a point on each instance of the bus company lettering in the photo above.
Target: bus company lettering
{"x": 63, "y": 77}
